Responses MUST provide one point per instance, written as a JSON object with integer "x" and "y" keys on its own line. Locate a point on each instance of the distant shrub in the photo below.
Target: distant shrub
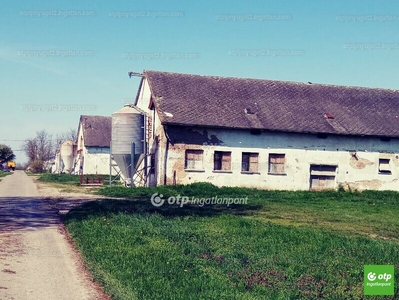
{"x": 36, "y": 166}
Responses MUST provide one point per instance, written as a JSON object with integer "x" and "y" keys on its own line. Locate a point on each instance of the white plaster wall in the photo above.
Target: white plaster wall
{"x": 96, "y": 161}
{"x": 144, "y": 97}
{"x": 156, "y": 132}
{"x": 301, "y": 150}
{"x": 80, "y": 140}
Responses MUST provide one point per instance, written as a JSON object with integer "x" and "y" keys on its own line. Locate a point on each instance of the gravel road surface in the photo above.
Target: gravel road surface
{"x": 37, "y": 261}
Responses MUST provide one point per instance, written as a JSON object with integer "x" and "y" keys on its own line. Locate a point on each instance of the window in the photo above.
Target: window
{"x": 194, "y": 159}
{"x": 383, "y": 166}
{"x": 222, "y": 161}
{"x": 276, "y": 163}
{"x": 249, "y": 162}
{"x": 322, "y": 176}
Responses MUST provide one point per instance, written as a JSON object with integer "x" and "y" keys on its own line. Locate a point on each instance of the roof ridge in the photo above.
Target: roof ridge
{"x": 275, "y": 80}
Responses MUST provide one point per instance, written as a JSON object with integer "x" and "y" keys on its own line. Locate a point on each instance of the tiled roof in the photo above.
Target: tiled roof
{"x": 195, "y": 100}
{"x": 96, "y": 130}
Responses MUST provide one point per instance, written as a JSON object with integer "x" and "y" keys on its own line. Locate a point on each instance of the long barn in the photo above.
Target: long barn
{"x": 268, "y": 134}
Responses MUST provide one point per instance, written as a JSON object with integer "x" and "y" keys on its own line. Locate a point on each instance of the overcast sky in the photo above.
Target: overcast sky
{"x": 62, "y": 59}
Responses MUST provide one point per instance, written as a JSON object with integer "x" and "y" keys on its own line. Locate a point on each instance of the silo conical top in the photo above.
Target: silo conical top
{"x": 127, "y": 109}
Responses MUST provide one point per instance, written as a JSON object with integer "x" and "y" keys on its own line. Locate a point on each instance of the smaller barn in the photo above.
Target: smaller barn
{"x": 92, "y": 154}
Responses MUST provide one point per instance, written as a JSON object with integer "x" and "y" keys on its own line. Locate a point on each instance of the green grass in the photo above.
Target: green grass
{"x": 32, "y": 174}
{"x": 370, "y": 213}
{"x": 4, "y": 174}
{"x": 66, "y": 183}
{"x": 59, "y": 178}
{"x": 281, "y": 245}
{"x": 70, "y": 178}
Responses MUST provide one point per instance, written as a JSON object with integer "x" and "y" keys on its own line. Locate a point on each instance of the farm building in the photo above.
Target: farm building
{"x": 92, "y": 149}
{"x": 267, "y": 134}
{"x": 63, "y": 159}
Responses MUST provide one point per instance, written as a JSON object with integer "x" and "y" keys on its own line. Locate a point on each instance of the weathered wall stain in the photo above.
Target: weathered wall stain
{"x": 357, "y": 162}
{"x": 374, "y": 184}
{"x": 190, "y": 136}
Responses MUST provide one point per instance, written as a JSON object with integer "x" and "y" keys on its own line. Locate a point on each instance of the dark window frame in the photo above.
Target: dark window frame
{"x": 194, "y": 159}
{"x": 386, "y": 170}
{"x": 249, "y": 162}
{"x": 276, "y": 163}
{"x": 222, "y": 161}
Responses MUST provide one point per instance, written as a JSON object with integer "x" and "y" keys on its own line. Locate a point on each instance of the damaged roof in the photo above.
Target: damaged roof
{"x": 96, "y": 130}
{"x": 194, "y": 100}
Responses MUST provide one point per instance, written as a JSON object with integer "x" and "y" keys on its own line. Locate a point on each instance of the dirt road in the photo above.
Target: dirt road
{"x": 36, "y": 259}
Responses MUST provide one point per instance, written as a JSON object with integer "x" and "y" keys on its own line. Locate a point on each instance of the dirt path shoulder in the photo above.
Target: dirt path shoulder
{"x": 37, "y": 259}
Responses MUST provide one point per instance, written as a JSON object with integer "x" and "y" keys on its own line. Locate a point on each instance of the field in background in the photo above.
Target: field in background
{"x": 280, "y": 245}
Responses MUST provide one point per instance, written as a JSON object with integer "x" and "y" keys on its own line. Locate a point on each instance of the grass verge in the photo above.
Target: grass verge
{"x": 4, "y": 174}
{"x": 281, "y": 245}
{"x": 59, "y": 178}
{"x": 68, "y": 183}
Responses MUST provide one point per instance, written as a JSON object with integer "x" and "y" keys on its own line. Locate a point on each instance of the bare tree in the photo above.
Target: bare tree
{"x": 30, "y": 148}
{"x": 69, "y": 135}
{"x": 45, "y": 145}
{"x": 39, "y": 149}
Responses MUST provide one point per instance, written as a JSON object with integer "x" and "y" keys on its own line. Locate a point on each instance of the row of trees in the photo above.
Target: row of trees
{"x": 43, "y": 146}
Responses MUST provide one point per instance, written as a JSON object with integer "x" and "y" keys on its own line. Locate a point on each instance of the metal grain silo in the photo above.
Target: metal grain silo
{"x": 66, "y": 153}
{"x": 127, "y": 128}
